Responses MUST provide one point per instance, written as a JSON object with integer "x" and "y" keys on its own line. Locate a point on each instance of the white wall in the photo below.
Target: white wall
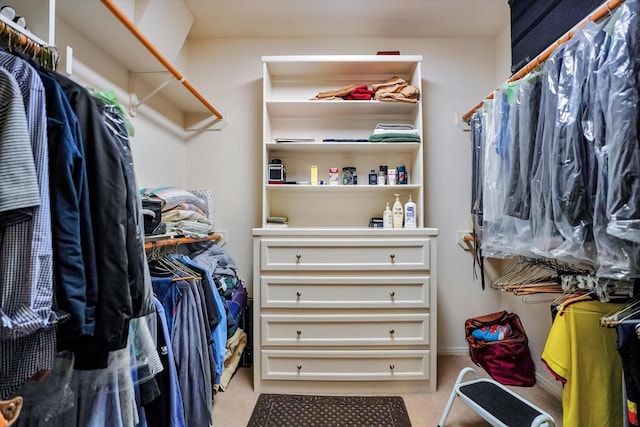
{"x": 158, "y": 147}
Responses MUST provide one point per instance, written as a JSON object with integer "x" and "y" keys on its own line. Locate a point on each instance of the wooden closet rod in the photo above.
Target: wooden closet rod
{"x": 180, "y": 241}
{"x": 604, "y": 10}
{"x": 155, "y": 52}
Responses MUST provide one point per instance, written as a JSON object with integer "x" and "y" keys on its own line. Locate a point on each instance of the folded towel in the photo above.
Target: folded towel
{"x": 399, "y": 126}
{"x": 394, "y": 137}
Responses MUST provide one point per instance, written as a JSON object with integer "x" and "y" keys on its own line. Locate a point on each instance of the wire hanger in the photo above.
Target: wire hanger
{"x": 629, "y": 310}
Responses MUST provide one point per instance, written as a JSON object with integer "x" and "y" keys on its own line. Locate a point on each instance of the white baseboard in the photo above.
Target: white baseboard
{"x": 453, "y": 351}
{"x": 551, "y": 386}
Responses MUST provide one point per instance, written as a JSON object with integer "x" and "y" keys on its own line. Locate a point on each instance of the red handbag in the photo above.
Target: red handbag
{"x": 508, "y": 360}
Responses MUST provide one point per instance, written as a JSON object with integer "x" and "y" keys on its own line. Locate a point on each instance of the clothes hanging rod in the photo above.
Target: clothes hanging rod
{"x": 602, "y": 11}
{"x": 28, "y": 41}
{"x": 181, "y": 241}
{"x": 115, "y": 10}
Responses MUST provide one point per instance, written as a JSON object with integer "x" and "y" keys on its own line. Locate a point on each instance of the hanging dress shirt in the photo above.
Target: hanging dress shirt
{"x": 27, "y": 331}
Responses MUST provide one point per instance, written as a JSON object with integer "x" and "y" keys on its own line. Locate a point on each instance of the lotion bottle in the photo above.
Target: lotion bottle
{"x": 398, "y": 212}
{"x": 387, "y": 217}
{"x": 410, "y": 214}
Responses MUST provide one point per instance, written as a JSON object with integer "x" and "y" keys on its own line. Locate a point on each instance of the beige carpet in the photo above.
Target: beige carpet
{"x": 233, "y": 407}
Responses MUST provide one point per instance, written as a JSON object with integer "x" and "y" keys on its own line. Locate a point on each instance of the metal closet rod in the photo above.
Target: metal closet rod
{"x": 152, "y": 49}
{"x": 605, "y": 9}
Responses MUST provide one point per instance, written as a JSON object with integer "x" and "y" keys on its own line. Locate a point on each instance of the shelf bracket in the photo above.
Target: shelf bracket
{"x": 115, "y": 10}
{"x": 134, "y": 103}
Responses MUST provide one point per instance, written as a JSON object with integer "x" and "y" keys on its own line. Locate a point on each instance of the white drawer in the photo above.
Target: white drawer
{"x": 344, "y": 330}
{"x": 344, "y": 254}
{"x": 345, "y": 291}
{"x": 325, "y": 365}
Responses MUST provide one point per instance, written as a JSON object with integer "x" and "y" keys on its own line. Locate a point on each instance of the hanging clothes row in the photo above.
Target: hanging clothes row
{"x": 63, "y": 184}
{"x": 74, "y": 273}
{"x": 203, "y": 298}
{"x": 556, "y": 154}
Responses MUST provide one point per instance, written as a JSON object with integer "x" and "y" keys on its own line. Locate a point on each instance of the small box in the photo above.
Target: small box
{"x": 277, "y": 173}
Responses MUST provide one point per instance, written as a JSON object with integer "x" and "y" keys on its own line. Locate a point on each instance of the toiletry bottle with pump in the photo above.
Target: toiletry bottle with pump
{"x": 398, "y": 214}
{"x": 410, "y": 214}
{"x": 387, "y": 217}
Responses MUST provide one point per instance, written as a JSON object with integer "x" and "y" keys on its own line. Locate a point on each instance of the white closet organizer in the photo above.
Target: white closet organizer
{"x": 338, "y": 306}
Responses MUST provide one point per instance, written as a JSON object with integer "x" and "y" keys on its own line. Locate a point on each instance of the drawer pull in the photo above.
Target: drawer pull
{"x": 393, "y": 257}
{"x": 299, "y": 332}
{"x": 298, "y": 256}
{"x": 392, "y": 294}
{"x": 298, "y": 294}
{"x": 392, "y": 331}
{"x": 392, "y": 366}
{"x": 299, "y": 366}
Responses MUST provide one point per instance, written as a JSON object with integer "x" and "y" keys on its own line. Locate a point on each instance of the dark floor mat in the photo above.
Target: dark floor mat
{"x": 284, "y": 410}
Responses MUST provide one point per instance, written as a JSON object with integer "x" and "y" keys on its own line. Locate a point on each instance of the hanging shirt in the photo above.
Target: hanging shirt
{"x": 617, "y": 257}
{"x": 26, "y": 270}
{"x": 621, "y": 116}
{"x": 19, "y": 192}
{"x": 582, "y": 355}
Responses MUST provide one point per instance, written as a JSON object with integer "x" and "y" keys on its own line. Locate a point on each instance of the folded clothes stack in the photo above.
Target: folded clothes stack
{"x": 183, "y": 213}
{"x": 396, "y": 89}
{"x": 395, "y": 132}
{"x": 349, "y": 92}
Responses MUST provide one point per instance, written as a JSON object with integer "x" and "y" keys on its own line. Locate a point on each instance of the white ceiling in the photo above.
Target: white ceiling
{"x": 348, "y": 18}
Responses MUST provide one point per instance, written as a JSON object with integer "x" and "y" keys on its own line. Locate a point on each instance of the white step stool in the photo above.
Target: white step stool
{"x": 495, "y": 403}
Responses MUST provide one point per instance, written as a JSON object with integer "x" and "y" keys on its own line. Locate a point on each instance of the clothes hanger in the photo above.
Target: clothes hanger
{"x": 183, "y": 267}
{"x": 625, "y": 313}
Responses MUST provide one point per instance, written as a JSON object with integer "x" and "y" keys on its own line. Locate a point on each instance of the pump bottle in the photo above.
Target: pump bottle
{"x": 387, "y": 217}
{"x": 410, "y": 214}
{"x": 398, "y": 212}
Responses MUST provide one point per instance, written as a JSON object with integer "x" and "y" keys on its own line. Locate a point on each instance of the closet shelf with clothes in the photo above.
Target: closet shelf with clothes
{"x": 604, "y": 10}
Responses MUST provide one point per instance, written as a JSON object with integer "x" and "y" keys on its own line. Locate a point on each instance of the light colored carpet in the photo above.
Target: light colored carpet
{"x": 233, "y": 407}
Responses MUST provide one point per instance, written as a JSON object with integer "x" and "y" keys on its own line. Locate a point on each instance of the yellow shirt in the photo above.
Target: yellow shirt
{"x": 583, "y": 355}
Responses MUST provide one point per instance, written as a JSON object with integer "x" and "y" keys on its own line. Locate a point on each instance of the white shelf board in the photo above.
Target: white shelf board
{"x": 344, "y": 189}
{"x": 328, "y": 109}
{"x": 342, "y": 147}
{"x": 340, "y": 64}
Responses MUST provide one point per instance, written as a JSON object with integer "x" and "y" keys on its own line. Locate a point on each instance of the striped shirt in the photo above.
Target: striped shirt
{"x": 27, "y": 340}
{"x": 19, "y": 192}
